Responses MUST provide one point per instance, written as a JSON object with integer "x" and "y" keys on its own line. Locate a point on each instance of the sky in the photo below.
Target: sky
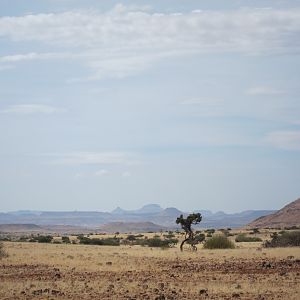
{"x": 187, "y": 104}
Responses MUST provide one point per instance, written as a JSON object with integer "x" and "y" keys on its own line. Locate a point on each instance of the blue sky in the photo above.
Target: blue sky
{"x": 193, "y": 104}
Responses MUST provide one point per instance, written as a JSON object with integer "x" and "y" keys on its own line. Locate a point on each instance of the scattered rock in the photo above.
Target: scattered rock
{"x": 236, "y": 295}
{"x": 203, "y": 292}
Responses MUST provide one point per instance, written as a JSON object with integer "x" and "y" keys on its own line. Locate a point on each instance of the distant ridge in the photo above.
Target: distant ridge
{"x": 171, "y": 211}
{"x": 118, "y": 211}
{"x": 123, "y": 227}
{"x": 289, "y": 215}
{"x": 146, "y": 209}
{"x": 148, "y": 213}
{"x": 19, "y": 227}
{"x": 33, "y": 228}
{"x": 150, "y": 209}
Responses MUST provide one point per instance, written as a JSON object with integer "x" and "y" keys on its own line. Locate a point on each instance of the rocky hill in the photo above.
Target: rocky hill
{"x": 148, "y": 213}
{"x": 285, "y": 217}
{"x": 123, "y": 227}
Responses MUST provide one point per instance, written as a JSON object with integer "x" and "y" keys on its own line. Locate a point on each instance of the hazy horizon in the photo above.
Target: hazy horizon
{"x": 189, "y": 104}
{"x": 134, "y": 209}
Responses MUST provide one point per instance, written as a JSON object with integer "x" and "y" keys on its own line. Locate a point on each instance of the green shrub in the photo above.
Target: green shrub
{"x": 111, "y": 242}
{"x": 131, "y": 237}
{"x": 23, "y": 239}
{"x": 101, "y": 242}
{"x": 200, "y": 237}
{"x": 65, "y": 239}
{"x": 139, "y": 235}
{"x": 286, "y": 239}
{"x": 218, "y": 242}
{"x": 169, "y": 235}
{"x": 157, "y": 242}
{"x": 243, "y": 238}
{"x": 42, "y": 239}
{"x": 210, "y": 231}
{"x": 292, "y": 228}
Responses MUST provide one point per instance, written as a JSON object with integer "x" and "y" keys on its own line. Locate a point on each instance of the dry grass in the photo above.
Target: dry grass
{"x": 58, "y": 271}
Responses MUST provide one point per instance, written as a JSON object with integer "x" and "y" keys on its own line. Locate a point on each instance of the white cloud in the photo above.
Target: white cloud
{"x": 288, "y": 140}
{"x": 92, "y": 158}
{"x": 127, "y": 40}
{"x": 122, "y": 28}
{"x": 264, "y": 91}
{"x": 25, "y": 57}
{"x": 27, "y": 109}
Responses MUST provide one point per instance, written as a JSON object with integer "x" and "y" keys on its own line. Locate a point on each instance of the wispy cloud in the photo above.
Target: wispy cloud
{"x": 101, "y": 173}
{"x": 126, "y": 174}
{"x": 264, "y": 91}
{"x": 92, "y": 158}
{"x": 206, "y": 101}
{"x": 31, "y": 56}
{"x": 127, "y": 40}
{"x": 288, "y": 140}
{"x": 27, "y": 109}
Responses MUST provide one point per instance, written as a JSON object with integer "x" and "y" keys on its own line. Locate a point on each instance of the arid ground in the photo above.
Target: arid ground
{"x": 59, "y": 271}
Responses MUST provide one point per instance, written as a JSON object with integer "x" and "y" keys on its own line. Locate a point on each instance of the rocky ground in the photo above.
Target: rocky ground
{"x": 91, "y": 272}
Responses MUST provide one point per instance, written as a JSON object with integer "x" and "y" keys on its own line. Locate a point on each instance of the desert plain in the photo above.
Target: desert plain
{"x": 74, "y": 271}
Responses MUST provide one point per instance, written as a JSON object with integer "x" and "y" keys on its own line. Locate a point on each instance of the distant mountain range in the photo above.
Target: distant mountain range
{"x": 165, "y": 218}
{"x": 287, "y": 216}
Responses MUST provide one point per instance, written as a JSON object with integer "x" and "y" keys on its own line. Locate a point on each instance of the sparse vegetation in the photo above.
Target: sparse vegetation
{"x": 219, "y": 241}
{"x": 157, "y": 242}
{"x": 102, "y": 242}
{"x": 243, "y": 238}
{"x": 169, "y": 235}
{"x": 210, "y": 231}
{"x": 65, "y": 239}
{"x": 224, "y": 231}
{"x": 99, "y": 272}
{"x": 131, "y": 237}
{"x": 292, "y": 227}
{"x": 42, "y": 239}
{"x": 198, "y": 238}
{"x": 284, "y": 239}
{"x": 2, "y": 251}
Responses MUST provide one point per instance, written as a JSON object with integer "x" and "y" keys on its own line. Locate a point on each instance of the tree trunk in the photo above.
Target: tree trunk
{"x": 182, "y": 243}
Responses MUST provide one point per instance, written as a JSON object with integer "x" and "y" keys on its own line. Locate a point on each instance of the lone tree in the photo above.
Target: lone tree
{"x": 186, "y": 225}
